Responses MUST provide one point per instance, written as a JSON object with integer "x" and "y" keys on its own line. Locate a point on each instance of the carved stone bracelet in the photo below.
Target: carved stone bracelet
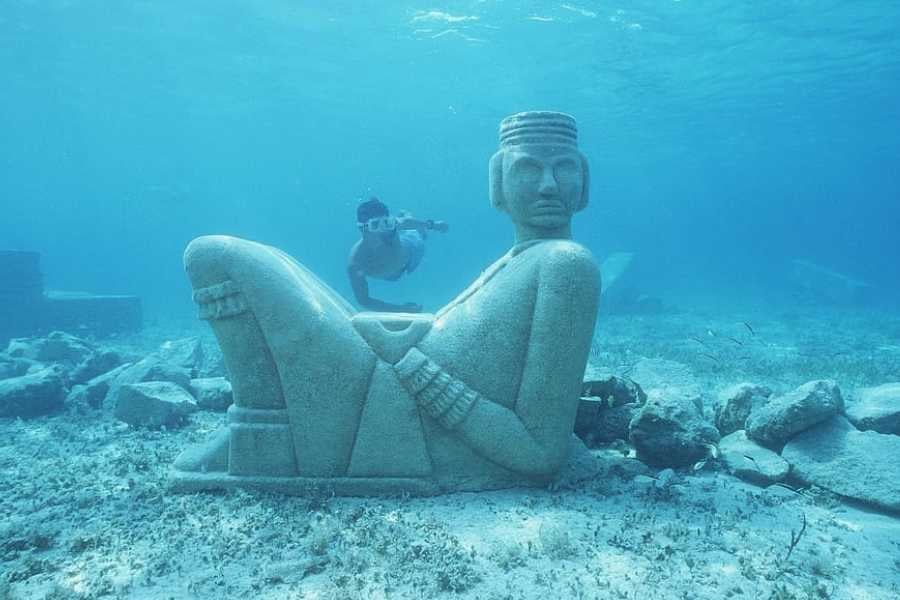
{"x": 438, "y": 394}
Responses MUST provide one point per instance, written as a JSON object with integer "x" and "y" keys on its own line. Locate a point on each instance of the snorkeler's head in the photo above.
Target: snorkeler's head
{"x": 370, "y": 209}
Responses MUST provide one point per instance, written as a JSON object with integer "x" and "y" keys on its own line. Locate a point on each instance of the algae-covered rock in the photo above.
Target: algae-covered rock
{"x": 735, "y": 403}
{"x": 782, "y": 418}
{"x": 670, "y": 431}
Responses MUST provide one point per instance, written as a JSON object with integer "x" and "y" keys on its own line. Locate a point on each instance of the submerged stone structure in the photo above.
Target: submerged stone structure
{"x": 480, "y": 395}
{"x": 26, "y": 309}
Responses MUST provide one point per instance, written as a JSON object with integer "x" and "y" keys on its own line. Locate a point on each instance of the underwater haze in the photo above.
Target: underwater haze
{"x": 725, "y": 138}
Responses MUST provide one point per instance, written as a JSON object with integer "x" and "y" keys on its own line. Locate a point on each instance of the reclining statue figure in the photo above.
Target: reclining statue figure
{"x": 480, "y": 395}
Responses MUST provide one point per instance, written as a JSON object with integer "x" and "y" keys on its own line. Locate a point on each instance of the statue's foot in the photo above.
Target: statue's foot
{"x": 209, "y": 457}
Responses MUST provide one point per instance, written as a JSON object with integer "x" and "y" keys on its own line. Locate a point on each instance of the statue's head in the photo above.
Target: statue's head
{"x": 539, "y": 177}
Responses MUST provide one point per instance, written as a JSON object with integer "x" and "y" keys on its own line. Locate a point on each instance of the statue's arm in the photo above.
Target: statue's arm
{"x": 533, "y": 437}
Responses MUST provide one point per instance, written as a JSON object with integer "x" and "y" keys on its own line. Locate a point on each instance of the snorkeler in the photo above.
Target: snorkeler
{"x": 390, "y": 246}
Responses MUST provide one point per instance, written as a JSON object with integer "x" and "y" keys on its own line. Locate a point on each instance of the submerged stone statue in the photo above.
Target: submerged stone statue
{"x": 480, "y": 395}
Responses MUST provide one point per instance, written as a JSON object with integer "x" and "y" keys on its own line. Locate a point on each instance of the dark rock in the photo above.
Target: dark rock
{"x": 751, "y": 462}
{"x": 606, "y": 408}
{"x": 186, "y": 353}
{"x": 96, "y": 364}
{"x": 735, "y": 403}
{"x": 614, "y": 391}
{"x": 31, "y": 395}
{"x": 876, "y": 409}
{"x": 212, "y": 393}
{"x": 856, "y": 464}
{"x": 153, "y": 404}
{"x": 597, "y": 423}
{"x": 780, "y": 419}
{"x": 669, "y": 431}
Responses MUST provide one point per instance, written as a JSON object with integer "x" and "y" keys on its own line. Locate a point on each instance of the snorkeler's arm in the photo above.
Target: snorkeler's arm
{"x": 361, "y": 291}
{"x": 533, "y": 437}
{"x": 410, "y": 222}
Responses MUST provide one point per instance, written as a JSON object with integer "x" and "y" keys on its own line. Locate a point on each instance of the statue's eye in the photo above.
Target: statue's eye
{"x": 566, "y": 171}
{"x": 527, "y": 171}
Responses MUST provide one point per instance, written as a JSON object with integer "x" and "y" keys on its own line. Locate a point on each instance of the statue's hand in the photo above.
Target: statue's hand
{"x": 441, "y": 226}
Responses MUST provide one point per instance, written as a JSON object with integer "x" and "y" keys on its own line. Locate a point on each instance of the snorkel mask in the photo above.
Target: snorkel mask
{"x": 380, "y": 224}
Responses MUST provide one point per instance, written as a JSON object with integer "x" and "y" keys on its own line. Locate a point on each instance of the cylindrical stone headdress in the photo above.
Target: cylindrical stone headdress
{"x": 538, "y": 127}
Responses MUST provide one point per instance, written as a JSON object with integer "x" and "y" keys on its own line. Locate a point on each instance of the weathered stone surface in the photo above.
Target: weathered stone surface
{"x": 735, "y": 403}
{"x": 153, "y": 368}
{"x": 782, "y": 418}
{"x": 876, "y": 409}
{"x": 96, "y": 364}
{"x": 480, "y": 395}
{"x": 153, "y": 404}
{"x": 186, "y": 353}
{"x": 670, "y": 431}
{"x": 58, "y": 347}
{"x": 212, "y": 393}
{"x": 13, "y": 367}
{"x": 93, "y": 393}
{"x": 214, "y": 365}
{"x": 31, "y": 395}
{"x": 751, "y": 462}
{"x": 856, "y": 464}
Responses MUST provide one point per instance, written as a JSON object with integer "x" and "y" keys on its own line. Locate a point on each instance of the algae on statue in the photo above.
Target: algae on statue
{"x": 480, "y": 395}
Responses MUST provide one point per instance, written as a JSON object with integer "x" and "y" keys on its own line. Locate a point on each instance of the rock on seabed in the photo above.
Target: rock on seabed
{"x": 876, "y": 409}
{"x": 782, "y": 418}
{"x": 857, "y": 464}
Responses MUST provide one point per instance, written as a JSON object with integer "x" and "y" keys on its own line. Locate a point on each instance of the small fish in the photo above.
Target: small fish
{"x": 736, "y": 341}
{"x": 747, "y": 325}
{"x": 699, "y": 341}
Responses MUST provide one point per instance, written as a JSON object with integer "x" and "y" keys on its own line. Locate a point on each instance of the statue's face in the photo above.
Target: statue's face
{"x": 542, "y": 185}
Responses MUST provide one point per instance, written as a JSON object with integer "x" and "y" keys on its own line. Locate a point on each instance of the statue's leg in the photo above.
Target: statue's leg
{"x": 299, "y": 370}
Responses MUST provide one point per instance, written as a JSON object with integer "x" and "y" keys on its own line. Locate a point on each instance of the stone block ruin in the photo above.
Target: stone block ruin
{"x": 26, "y": 309}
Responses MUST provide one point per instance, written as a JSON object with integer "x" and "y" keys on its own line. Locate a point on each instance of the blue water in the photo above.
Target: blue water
{"x": 725, "y": 138}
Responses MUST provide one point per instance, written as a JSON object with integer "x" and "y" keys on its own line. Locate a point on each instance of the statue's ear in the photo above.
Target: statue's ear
{"x": 495, "y": 181}
{"x": 585, "y": 183}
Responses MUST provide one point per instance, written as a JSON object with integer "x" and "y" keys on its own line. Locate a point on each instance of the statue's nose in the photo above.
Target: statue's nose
{"x": 548, "y": 185}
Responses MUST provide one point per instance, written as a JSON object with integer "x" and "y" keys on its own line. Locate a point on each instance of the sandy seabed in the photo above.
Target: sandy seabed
{"x": 85, "y": 511}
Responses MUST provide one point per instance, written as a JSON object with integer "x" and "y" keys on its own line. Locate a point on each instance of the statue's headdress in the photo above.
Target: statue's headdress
{"x": 538, "y": 127}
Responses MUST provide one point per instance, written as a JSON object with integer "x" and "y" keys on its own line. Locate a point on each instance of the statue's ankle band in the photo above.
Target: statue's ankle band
{"x": 220, "y": 301}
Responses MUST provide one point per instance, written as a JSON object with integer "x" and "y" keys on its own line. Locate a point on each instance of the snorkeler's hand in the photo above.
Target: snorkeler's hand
{"x": 441, "y": 226}
{"x": 411, "y": 307}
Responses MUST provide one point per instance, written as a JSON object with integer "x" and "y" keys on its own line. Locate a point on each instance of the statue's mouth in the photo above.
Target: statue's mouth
{"x": 548, "y": 207}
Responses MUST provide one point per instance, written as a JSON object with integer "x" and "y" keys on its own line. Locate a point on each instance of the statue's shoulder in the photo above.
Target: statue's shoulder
{"x": 566, "y": 255}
